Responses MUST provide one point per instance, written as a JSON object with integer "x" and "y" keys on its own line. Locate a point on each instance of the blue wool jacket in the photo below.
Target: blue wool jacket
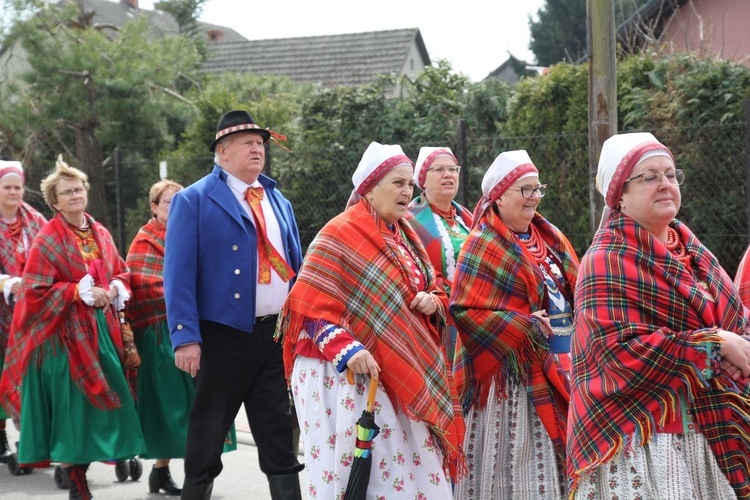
{"x": 210, "y": 261}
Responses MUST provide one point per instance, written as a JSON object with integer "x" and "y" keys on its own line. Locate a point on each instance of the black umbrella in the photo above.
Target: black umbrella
{"x": 359, "y": 478}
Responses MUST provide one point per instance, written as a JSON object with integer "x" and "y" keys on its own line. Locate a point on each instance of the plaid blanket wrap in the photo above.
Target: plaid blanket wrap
{"x": 46, "y": 306}
{"x": 352, "y": 277}
{"x": 742, "y": 278}
{"x": 643, "y": 338}
{"x": 146, "y": 263}
{"x": 31, "y": 222}
{"x": 422, "y": 220}
{"x": 498, "y": 285}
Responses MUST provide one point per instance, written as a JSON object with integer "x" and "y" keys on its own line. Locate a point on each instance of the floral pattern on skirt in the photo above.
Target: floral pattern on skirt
{"x": 671, "y": 466}
{"x": 509, "y": 452}
{"x": 406, "y": 463}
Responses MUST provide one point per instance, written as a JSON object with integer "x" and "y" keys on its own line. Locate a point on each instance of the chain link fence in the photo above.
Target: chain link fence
{"x": 715, "y": 203}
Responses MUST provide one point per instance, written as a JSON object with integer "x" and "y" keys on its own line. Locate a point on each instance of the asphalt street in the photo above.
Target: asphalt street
{"x": 240, "y": 479}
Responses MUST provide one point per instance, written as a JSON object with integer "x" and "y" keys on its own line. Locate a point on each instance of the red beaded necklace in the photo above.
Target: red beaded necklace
{"x": 449, "y": 215}
{"x": 675, "y": 245}
{"x": 534, "y": 244}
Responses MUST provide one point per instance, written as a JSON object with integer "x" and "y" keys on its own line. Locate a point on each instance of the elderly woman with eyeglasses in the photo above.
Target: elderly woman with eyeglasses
{"x": 366, "y": 304}
{"x": 442, "y": 225}
{"x": 512, "y": 301}
{"x": 66, "y": 352}
{"x": 660, "y": 398}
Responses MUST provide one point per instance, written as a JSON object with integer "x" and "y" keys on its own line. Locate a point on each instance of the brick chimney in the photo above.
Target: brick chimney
{"x": 133, "y": 4}
{"x": 215, "y": 35}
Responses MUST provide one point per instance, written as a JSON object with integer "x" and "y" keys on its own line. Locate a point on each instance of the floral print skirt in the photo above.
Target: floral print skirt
{"x": 671, "y": 466}
{"x": 406, "y": 464}
{"x": 509, "y": 452}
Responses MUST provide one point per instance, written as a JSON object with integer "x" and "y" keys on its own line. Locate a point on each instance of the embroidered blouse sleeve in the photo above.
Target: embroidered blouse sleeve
{"x": 335, "y": 343}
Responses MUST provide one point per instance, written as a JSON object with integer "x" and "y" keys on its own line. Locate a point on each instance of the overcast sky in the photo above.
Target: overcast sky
{"x": 474, "y": 35}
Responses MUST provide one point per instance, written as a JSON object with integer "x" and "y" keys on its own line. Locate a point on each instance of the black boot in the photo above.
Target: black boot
{"x": 201, "y": 491}
{"x": 79, "y": 486}
{"x": 284, "y": 487}
{"x": 4, "y": 448}
{"x": 161, "y": 479}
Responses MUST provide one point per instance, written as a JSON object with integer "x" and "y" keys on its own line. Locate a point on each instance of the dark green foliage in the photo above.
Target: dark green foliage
{"x": 694, "y": 106}
{"x": 559, "y": 33}
{"x": 336, "y": 126}
{"x": 88, "y": 89}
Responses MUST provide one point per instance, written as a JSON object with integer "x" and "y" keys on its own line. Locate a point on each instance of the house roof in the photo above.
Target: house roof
{"x": 650, "y": 12}
{"x": 161, "y": 23}
{"x": 347, "y": 59}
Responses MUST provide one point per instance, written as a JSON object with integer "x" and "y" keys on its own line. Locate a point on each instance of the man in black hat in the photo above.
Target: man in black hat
{"x": 231, "y": 254}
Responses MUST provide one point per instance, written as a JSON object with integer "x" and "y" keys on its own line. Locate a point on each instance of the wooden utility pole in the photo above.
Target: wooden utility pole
{"x": 600, "y": 24}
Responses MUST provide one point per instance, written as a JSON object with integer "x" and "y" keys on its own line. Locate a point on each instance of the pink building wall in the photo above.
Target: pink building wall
{"x": 710, "y": 27}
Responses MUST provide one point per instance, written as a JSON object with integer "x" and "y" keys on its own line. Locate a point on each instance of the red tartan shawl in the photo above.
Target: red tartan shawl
{"x": 352, "y": 277}
{"x": 742, "y": 278}
{"x": 146, "y": 263}
{"x": 47, "y": 306}
{"x": 498, "y": 285}
{"x": 643, "y": 338}
{"x": 31, "y": 222}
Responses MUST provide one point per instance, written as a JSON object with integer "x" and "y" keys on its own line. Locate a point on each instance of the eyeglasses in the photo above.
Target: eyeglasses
{"x": 70, "y": 192}
{"x": 528, "y": 191}
{"x": 442, "y": 170}
{"x": 673, "y": 176}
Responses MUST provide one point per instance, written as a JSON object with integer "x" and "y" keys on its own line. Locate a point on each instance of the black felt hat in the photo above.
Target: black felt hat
{"x": 237, "y": 121}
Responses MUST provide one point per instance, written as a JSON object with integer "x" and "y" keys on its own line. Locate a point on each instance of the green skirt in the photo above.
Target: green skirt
{"x": 59, "y": 424}
{"x": 165, "y": 396}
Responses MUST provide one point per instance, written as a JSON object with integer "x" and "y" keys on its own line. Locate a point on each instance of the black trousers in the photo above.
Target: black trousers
{"x": 239, "y": 367}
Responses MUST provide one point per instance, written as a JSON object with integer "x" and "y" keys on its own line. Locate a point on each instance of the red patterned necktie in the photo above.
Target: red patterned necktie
{"x": 268, "y": 256}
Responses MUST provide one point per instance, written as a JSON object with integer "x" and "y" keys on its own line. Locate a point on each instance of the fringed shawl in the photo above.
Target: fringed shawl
{"x": 352, "y": 277}
{"x": 644, "y": 336}
{"x": 47, "y": 307}
{"x": 31, "y": 222}
{"x": 146, "y": 263}
{"x": 498, "y": 285}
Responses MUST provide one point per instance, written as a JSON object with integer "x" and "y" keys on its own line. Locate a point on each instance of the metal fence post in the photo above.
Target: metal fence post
{"x": 267, "y": 164}
{"x": 461, "y": 156}
{"x": 119, "y": 212}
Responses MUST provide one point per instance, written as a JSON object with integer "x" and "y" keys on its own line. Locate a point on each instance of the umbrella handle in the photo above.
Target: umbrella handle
{"x": 371, "y": 391}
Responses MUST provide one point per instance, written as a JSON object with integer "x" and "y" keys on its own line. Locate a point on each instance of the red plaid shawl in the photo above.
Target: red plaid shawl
{"x": 497, "y": 286}
{"x": 146, "y": 263}
{"x": 31, "y": 222}
{"x": 742, "y": 278}
{"x": 643, "y": 334}
{"x": 352, "y": 277}
{"x": 47, "y": 307}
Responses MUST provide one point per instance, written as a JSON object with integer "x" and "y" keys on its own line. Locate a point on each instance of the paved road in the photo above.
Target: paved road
{"x": 241, "y": 478}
